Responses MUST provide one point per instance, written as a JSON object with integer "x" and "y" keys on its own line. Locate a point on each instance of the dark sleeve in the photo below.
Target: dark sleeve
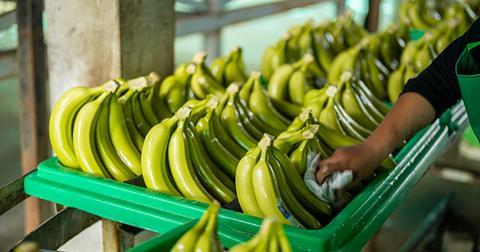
{"x": 438, "y": 82}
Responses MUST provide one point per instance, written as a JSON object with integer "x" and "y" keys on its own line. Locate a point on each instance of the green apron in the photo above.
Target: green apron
{"x": 468, "y": 75}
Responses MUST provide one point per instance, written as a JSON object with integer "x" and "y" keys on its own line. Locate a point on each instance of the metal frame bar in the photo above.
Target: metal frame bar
{"x": 187, "y": 24}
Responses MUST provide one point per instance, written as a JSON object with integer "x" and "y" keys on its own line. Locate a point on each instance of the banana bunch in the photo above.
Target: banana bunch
{"x": 418, "y": 14}
{"x": 270, "y": 237}
{"x": 364, "y": 64}
{"x": 101, "y": 130}
{"x": 230, "y": 68}
{"x": 289, "y": 83}
{"x": 418, "y": 54}
{"x": 348, "y": 107}
{"x": 323, "y": 41}
{"x": 203, "y": 237}
{"x": 192, "y": 81}
{"x": 269, "y": 186}
{"x": 177, "y": 156}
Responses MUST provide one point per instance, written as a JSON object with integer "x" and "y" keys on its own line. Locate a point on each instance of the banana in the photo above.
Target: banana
{"x": 287, "y": 140}
{"x": 243, "y": 181}
{"x": 188, "y": 241}
{"x": 62, "y": 120}
{"x": 353, "y": 108}
{"x": 267, "y": 192}
{"x": 266, "y": 64}
{"x": 329, "y": 117}
{"x": 256, "y": 121}
{"x": 278, "y": 83}
{"x": 154, "y": 158}
{"x": 208, "y": 241}
{"x": 253, "y": 244}
{"x": 203, "y": 82}
{"x": 349, "y": 125}
{"x": 299, "y": 156}
{"x": 84, "y": 136}
{"x": 176, "y": 98}
{"x": 234, "y": 68}
{"x": 140, "y": 121}
{"x": 395, "y": 83}
{"x": 219, "y": 153}
{"x": 147, "y": 110}
{"x": 230, "y": 119}
{"x": 298, "y": 85}
{"x": 279, "y": 57}
{"x": 261, "y": 106}
{"x": 302, "y": 193}
{"x": 218, "y": 67}
{"x": 288, "y": 109}
{"x": 244, "y": 116}
{"x": 305, "y": 218}
{"x": 119, "y": 133}
{"x": 126, "y": 104}
{"x": 282, "y": 239}
{"x": 217, "y": 183}
{"x": 359, "y": 87}
{"x": 181, "y": 166}
{"x": 323, "y": 51}
{"x": 107, "y": 153}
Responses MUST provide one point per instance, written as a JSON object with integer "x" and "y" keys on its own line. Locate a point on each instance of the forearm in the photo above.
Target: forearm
{"x": 411, "y": 113}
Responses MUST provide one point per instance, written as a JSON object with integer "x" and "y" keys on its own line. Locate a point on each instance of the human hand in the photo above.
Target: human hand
{"x": 361, "y": 159}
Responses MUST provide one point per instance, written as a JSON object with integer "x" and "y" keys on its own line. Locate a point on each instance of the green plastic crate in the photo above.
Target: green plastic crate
{"x": 349, "y": 230}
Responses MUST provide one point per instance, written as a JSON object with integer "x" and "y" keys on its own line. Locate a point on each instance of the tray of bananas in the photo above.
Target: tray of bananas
{"x": 153, "y": 152}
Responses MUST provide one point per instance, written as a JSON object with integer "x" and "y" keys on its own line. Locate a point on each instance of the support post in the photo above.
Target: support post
{"x": 33, "y": 101}
{"x": 91, "y": 41}
{"x": 212, "y": 38}
{"x": 373, "y": 15}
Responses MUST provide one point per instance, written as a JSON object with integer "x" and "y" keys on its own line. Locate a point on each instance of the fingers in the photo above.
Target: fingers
{"x": 325, "y": 168}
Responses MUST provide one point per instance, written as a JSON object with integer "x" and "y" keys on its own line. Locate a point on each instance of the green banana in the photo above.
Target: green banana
{"x": 287, "y": 140}
{"x": 243, "y": 181}
{"x": 181, "y": 166}
{"x": 203, "y": 82}
{"x": 230, "y": 119}
{"x": 140, "y": 121}
{"x": 147, "y": 110}
{"x": 188, "y": 241}
{"x": 267, "y": 192}
{"x": 302, "y": 193}
{"x": 219, "y": 153}
{"x": 212, "y": 177}
{"x": 62, "y": 120}
{"x": 126, "y": 104}
{"x": 154, "y": 158}
{"x": 234, "y": 68}
{"x": 261, "y": 106}
{"x": 121, "y": 139}
{"x": 305, "y": 218}
{"x": 208, "y": 241}
{"x": 107, "y": 153}
{"x": 84, "y": 137}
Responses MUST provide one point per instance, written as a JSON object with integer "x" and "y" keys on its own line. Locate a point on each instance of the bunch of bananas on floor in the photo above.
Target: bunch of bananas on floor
{"x": 348, "y": 107}
{"x": 101, "y": 130}
{"x": 203, "y": 236}
{"x": 323, "y": 41}
{"x": 269, "y": 186}
{"x": 270, "y": 237}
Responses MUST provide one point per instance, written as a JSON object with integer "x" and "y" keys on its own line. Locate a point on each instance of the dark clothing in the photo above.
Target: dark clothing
{"x": 438, "y": 82}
